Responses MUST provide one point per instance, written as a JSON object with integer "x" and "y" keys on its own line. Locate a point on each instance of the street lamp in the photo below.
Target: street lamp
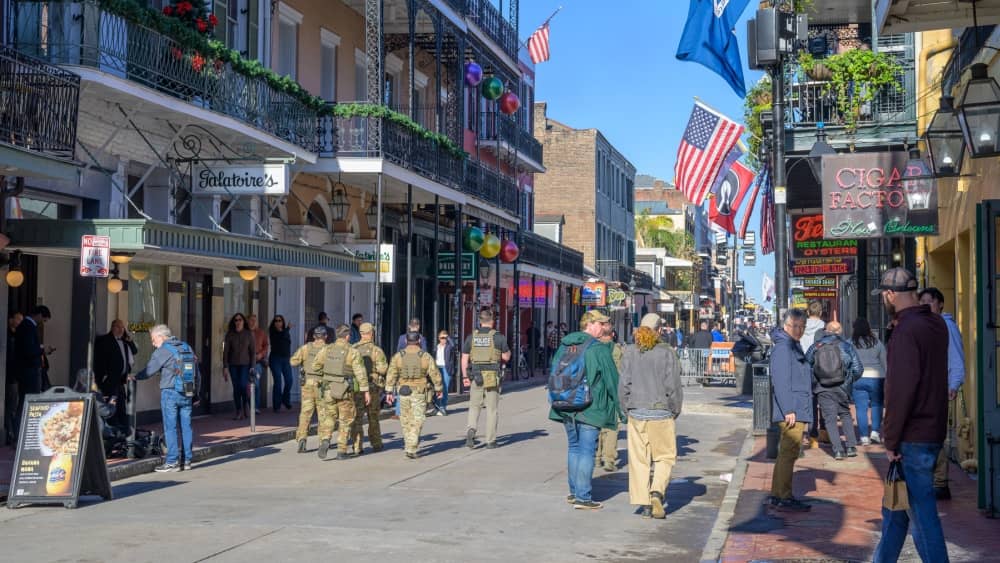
{"x": 918, "y": 182}
{"x": 819, "y": 149}
{"x": 115, "y": 284}
{"x": 248, "y": 273}
{"x": 372, "y": 216}
{"x": 944, "y": 141}
{"x": 122, "y": 257}
{"x": 15, "y": 277}
{"x": 979, "y": 113}
{"x": 338, "y": 202}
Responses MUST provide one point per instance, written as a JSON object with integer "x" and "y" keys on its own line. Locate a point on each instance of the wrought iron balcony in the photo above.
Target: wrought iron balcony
{"x": 84, "y": 34}
{"x": 489, "y": 19}
{"x": 544, "y": 253}
{"x": 38, "y": 104}
{"x": 484, "y": 183}
{"x": 529, "y": 145}
{"x": 498, "y": 127}
{"x": 616, "y": 271}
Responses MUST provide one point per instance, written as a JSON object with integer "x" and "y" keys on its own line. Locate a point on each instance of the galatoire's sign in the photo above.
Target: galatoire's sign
{"x": 877, "y": 194}
{"x": 211, "y": 178}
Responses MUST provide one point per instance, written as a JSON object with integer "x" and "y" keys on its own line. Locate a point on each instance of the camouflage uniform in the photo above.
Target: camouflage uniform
{"x": 412, "y": 367}
{"x": 607, "y": 440}
{"x": 376, "y": 366}
{"x": 305, "y": 356}
{"x": 339, "y": 406}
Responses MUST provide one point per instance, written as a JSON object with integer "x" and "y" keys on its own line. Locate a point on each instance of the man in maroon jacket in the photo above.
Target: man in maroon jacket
{"x": 916, "y": 415}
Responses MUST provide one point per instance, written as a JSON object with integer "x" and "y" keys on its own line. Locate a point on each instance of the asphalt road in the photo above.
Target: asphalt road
{"x": 453, "y": 504}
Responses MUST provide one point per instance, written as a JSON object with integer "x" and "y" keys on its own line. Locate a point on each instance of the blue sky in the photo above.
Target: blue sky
{"x": 615, "y": 70}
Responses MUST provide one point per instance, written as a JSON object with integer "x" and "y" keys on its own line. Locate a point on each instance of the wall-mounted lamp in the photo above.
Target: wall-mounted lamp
{"x": 338, "y": 202}
{"x": 248, "y": 273}
{"x": 122, "y": 257}
{"x": 15, "y": 277}
{"x": 372, "y": 216}
{"x": 115, "y": 283}
{"x": 137, "y": 273}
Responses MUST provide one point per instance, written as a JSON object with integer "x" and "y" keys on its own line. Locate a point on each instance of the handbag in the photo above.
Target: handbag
{"x": 895, "y": 497}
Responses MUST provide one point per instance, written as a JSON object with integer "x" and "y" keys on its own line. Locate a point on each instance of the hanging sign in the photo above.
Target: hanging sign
{"x": 810, "y": 294}
{"x": 95, "y": 256}
{"x": 819, "y": 282}
{"x": 749, "y": 259}
{"x": 368, "y": 262}
{"x": 871, "y": 195}
{"x": 594, "y": 294}
{"x": 446, "y": 266}
{"x": 59, "y": 456}
{"x": 822, "y": 266}
{"x": 808, "y": 241}
{"x": 211, "y": 178}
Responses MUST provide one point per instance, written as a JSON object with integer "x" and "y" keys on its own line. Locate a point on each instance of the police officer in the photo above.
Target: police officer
{"x": 340, "y": 365}
{"x": 310, "y": 382}
{"x": 481, "y": 355}
{"x": 409, "y": 370}
{"x": 375, "y": 365}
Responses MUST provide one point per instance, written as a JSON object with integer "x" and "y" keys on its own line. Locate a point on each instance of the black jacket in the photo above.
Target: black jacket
{"x": 27, "y": 346}
{"x": 109, "y": 363}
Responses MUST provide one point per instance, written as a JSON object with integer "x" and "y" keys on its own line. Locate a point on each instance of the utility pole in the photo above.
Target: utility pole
{"x": 780, "y": 193}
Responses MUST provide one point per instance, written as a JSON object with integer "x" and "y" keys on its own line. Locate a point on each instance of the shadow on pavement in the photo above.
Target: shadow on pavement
{"x": 248, "y": 454}
{"x": 609, "y": 485}
{"x": 680, "y": 495}
{"x": 509, "y": 439}
{"x": 738, "y": 401}
{"x": 126, "y": 490}
{"x": 683, "y": 442}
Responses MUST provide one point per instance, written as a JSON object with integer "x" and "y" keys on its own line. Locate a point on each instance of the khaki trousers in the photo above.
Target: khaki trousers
{"x": 650, "y": 443}
{"x": 788, "y": 452}
{"x": 607, "y": 447}
{"x": 478, "y": 396}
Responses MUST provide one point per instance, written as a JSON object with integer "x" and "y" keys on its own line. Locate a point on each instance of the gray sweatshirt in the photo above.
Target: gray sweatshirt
{"x": 650, "y": 381}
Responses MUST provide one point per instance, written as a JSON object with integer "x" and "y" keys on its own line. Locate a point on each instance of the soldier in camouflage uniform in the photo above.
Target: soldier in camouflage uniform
{"x": 409, "y": 370}
{"x": 310, "y": 382}
{"x": 376, "y": 366}
{"x": 606, "y": 454}
{"x": 341, "y": 366}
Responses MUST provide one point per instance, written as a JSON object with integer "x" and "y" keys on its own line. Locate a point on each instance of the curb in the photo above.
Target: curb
{"x": 236, "y": 445}
{"x": 727, "y": 510}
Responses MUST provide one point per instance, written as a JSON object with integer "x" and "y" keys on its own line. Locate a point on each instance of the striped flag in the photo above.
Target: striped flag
{"x": 707, "y": 140}
{"x": 767, "y": 220}
{"x": 745, "y": 223}
{"x": 538, "y": 44}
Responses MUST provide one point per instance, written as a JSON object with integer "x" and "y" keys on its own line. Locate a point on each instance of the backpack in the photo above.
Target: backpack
{"x": 828, "y": 364}
{"x": 184, "y": 368}
{"x": 567, "y": 385}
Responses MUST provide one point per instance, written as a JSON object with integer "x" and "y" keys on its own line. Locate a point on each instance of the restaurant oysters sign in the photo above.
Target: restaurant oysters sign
{"x": 212, "y": 178}
{"x": 871, "y": 195}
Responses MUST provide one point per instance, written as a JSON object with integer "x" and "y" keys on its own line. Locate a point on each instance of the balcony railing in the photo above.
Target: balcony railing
{"x": 83, "y": 34}
{"x": 529, "y": 145}
{"x": 616, "y": 271}
{"x": 544, "y": 253}
{"x": 492, "y": 127}
{"x": 489, "y": 19}
{"x": 809, "y": 103}
{"x": 38, "y": 104}
{"x": 485, "y": 184}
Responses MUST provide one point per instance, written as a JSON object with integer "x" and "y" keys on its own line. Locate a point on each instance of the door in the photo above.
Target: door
{"x": 988, "y": 393}
{"x": 196, "y": 327}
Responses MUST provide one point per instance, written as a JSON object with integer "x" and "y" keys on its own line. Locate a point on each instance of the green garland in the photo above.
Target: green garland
{"x": 190, "y": 39}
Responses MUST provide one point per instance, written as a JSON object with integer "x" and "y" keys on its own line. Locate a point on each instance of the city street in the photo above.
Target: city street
{"x": 452, "y": 504}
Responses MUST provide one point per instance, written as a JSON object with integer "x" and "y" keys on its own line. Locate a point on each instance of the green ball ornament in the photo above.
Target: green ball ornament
{"x": 472, "y": 239}
{"x": 491, "y": 247}
{"x": 492, "y": 88}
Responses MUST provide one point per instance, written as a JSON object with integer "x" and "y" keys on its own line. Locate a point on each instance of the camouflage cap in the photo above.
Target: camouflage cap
{"x": 896, "y": 279}
{"x": 342, "y": 331}
{"x": 365, "y": 328}
{"x": 594, "y": 316}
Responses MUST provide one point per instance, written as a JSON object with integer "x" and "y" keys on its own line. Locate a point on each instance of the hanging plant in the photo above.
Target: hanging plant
{"x": 814, "y": 69}
{"x": 758, "y": 99}
{"x": 194, "y": 15}
{"x": 856, "y": 77}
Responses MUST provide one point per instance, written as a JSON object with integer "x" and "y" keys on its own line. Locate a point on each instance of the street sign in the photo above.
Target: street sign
{"x": 446, "y": 265}
{"x": 95, "y": 256}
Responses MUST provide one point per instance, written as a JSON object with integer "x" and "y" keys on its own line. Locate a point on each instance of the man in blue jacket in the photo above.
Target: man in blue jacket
{"x": 791, "y": 404}
{"x": 834, "y": 399}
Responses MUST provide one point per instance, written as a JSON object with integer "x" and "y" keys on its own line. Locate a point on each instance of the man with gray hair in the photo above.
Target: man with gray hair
{"x": 791, "y": 404}
{"x": 175, "y": 363}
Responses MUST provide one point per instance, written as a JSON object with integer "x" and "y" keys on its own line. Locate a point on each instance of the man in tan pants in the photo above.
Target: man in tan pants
{"x": 650, "y": 391}
{"x": 482, "y": 354}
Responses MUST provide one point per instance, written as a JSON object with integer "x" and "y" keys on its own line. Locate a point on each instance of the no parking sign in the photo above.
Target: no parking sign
{"x": 95, "y": 256}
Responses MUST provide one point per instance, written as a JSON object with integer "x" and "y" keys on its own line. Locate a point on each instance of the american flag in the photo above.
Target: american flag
{"x": 767, "y": 220}
{"x": 538, "y": 44}
{"x": 707, "y": 140}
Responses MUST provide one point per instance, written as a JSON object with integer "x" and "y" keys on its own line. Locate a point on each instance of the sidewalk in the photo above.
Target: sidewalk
{"x": 218, "y": 435}
{"x": 845, "y": 521}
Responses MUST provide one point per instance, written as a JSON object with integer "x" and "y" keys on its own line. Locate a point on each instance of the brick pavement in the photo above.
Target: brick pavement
{"x": 845, "y": 521}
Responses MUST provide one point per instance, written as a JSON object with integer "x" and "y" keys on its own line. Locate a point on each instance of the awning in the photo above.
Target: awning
{"x": 17, "y": 161}
{"x": 178, "y": 245}
{"x": 671, "y": 262}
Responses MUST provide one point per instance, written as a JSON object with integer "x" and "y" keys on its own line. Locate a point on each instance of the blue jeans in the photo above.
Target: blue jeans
{"x": 239, "y": 376}
{"x": 918, "y": 470}
{"x": 281, "y": 371}
{"x": 442, "y": 403}
{"x": 173, "y": 404}
{"x": 580, "y": 459}
{"x": 259, "y": 370}
{"x": 868, "y": 394}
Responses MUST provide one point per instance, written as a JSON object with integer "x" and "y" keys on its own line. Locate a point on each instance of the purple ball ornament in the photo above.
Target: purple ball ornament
{"x": 473, "y": 74}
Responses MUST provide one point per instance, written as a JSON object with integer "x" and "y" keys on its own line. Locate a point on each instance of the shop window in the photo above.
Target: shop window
{"x": 237, "y": 295}
{"x": 146, "y": 297}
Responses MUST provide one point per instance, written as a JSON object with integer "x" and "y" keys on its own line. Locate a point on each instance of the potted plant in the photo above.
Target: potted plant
{"x": 814, "y": 69}
{"x": 758, "y": 99}
{"x": 856, "y": 77}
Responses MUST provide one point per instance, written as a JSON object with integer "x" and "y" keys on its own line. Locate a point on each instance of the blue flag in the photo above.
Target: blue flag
{"x": 709, "y": 39}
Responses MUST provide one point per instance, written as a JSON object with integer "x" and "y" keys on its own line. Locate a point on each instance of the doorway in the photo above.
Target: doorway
{"x": 196, "y": 327}
{"x": 987, "y": 391}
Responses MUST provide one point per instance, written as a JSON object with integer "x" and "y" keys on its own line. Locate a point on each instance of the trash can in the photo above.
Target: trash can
{"x": 761, "y": 398}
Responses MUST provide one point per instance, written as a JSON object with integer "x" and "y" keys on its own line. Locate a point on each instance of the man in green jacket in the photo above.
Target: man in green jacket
{"x": 583, "y": 427}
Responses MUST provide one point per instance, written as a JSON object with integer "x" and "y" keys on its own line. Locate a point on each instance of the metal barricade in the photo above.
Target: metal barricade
{"x": 694, "y": 362}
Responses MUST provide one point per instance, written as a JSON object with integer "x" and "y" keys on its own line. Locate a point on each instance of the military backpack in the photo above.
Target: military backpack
{"x": 485, "y": 358}
{"x": 367, "y": 352}
{"x": 337, "y": 373}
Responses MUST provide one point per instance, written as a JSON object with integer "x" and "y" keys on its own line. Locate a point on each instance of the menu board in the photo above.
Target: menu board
{"x": 59, "y": 452}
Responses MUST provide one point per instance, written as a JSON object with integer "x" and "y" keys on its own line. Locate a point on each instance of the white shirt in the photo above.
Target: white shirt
{"x": 441, "y": 358}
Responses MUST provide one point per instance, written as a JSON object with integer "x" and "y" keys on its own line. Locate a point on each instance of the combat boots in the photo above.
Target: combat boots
{"x": 324, "y": 447}
{"x": 470, "y": 438}
{"x": 302, "y": 446}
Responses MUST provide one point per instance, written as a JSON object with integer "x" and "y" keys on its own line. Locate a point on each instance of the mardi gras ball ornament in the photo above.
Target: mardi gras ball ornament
{"x": 509, "y": 251}
{"x": 473, "y": 74}
{"x": 509, "y": 102}
{"x": 491, "y": 247}
{"x": 472, "y": 239}
{"x": 492, "y": 88}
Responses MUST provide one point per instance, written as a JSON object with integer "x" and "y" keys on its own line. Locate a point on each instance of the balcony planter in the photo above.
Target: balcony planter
{"x": 856, "y": 77}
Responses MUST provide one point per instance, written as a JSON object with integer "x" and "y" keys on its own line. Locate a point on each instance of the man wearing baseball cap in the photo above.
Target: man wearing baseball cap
{"x": 916, "y": 414}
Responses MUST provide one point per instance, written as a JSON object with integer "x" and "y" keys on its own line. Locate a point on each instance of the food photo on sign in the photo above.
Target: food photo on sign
{"x": 870, "y": 195}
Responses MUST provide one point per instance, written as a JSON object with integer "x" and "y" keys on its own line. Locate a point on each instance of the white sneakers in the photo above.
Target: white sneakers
{"x": 876, "y": 438}
{"x": 865, "y": 441}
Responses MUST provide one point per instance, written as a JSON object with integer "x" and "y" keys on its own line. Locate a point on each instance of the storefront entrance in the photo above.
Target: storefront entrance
{"x": 988, "y": 292}
{"x": 196, "y": 326}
